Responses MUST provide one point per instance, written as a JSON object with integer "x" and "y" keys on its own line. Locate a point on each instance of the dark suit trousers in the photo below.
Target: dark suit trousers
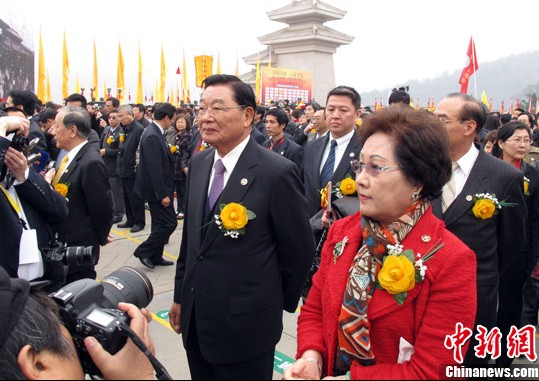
{"x": 260, "y": 368}
{"x": 163, "y": 225}
{"x": 181, "y": 189}
{"x": 134, "y": 208}
{"x": 117, "y": 196}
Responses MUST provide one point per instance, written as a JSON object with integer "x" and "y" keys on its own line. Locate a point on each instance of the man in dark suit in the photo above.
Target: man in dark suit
{"x": 85, "y": 174}
{"x": 155, "y": 183}
{"x": 278, "y": 142}
{"x": 328, "y": 159}
{"x": 495, "y": 241}
{"x": 126, "y": 170}
{"x": 230, "y": 292}
{"x": 139, "y": 111}
{"x": 110, "y": 141}
{"x": 27, "y": 101}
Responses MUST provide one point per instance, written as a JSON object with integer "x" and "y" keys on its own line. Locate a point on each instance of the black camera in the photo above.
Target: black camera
{"x": 23, "y": 144}
{"x": 58, "y": 258}
{"x": 89, "y": 308}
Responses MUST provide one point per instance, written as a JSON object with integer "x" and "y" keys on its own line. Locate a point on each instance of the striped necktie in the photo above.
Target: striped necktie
{"x": 449, "y": 192}
{"x": 329, "y": 167}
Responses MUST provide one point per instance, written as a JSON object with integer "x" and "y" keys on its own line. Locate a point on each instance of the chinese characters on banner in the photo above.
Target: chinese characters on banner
{"x": 520, "y": 342}
{"x": 279, "y": 84}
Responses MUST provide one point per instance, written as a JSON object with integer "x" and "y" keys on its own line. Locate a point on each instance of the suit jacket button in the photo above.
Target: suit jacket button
{"x": 201, "y": 258}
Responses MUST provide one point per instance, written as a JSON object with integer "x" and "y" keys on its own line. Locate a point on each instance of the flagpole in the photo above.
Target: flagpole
{"x": 474, "y": 71}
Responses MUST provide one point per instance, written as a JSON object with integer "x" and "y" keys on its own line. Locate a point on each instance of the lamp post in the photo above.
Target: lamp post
{"x": 92, "y": 93}
{"x": 82, "y": 91}
{"x": 119, "y": 94}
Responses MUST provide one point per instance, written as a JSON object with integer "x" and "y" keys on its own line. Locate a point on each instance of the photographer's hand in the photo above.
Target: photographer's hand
{"x": 17, "y": 164}
{"x": 129, "y": 363}
{"x": 9, "y": 124}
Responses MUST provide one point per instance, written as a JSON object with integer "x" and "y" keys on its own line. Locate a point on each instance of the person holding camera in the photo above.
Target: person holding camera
{"x": 29, "y": 207}
{"x": 34, "y": 344}
{"x": 83, "y": 176}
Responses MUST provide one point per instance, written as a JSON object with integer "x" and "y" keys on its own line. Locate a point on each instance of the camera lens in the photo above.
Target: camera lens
{"x": 127, "y": 285}
{"x": 78, "y": 256}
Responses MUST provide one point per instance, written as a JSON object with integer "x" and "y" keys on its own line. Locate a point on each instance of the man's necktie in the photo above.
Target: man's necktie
{"x": 218, "y": 183}
{"x": 60, "y": 171}
{"x": 327, "y": 171}
{"x": 61, "y": 155}
{"x": 449, "y": 191}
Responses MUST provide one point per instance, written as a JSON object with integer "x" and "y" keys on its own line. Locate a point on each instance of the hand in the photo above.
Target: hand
{"x": 49, "y": 176}
{"x": 110, "y": 239}
{"x": 327, "y": 220}
{"x": 102, "y": 152}
{"x": 302, "y": 370}
{"x": 174, "y": 317}
{"x": 17, "y": 164}
{"x": 185, "y": 171}
{"x": 308, "y": 128}
{"x": 16, "y": 124}
{"x": 130, "y": 363}
{"x": 165, "y": 202}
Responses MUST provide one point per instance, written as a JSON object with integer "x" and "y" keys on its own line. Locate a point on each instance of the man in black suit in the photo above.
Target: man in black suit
{"x": 139, "y": 111}
{"x": 85, "y": 174}
{"x": 495, "y": 241}
{"x": 155, "y": 183}
{"x": 230, "y": 292}
{"x": 28, "y": 209}
{"x": 328, "y": 159}
{"x": 27, "y": 101}
{"x": 110, "y": 141}
{"x": 278, "y": 142}
{"x": 126, "y": 170}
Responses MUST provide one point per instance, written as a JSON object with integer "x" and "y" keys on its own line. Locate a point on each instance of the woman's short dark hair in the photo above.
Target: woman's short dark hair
{"x": 505, "y": 132}
{"x": 421, "y": 145}
{"x": 182, "y": 115}
{"x": 39, "y": 327}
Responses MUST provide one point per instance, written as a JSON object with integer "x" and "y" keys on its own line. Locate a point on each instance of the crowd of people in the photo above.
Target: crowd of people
{"x": 444, "y": 233}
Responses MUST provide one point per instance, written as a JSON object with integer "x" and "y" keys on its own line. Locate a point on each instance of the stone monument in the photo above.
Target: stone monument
{"x": 306, "y": 44}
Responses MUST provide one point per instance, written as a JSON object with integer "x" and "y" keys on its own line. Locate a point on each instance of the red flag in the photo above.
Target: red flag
{"x": 490, "y": 105}
{"x": 511, "y": 108}
{"x": 518, "y": 102}
{"x": 530, "y": 107}
{"x": 178, "y": 71}
{"x": 503, "y": 108}
{"x": 470, "y": 69}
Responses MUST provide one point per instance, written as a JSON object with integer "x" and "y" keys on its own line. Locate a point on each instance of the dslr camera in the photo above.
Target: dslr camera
{"x": 58, "y": 258}
{"x": 89, "y": 308}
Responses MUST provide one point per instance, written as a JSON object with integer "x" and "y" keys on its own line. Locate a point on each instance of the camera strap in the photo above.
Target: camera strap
{"x": 15, "y": 205}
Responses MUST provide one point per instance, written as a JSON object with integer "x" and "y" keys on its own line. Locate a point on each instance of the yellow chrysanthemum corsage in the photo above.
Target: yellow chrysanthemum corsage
{"x": 233, "y": 219}
{"x": 526, "y": 186}
{"x": 486, "y": 205}
{"x": 62, "y": 189}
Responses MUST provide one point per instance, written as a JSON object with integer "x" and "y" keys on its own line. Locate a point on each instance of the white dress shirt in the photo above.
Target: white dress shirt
{"x": 466, "y": 164}
{"x": 229, "y": 161}
{"x": 340, "y": 149}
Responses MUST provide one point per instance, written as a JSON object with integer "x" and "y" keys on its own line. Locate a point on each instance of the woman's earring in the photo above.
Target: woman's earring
{"x": 415, "y": 195}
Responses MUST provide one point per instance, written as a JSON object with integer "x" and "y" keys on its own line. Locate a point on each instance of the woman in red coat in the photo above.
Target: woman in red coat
{"x": 393, "y": 282}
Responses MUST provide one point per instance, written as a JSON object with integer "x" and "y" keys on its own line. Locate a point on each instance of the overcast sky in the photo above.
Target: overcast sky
{"x": 395, "y": 41}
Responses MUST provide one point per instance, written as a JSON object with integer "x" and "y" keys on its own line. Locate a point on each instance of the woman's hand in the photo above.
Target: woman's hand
{"x": 302, "y": 370}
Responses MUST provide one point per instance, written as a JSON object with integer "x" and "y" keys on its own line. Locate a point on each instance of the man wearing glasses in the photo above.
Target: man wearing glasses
{"x": 230, "y": 288}
{"x": 494, "y": 240}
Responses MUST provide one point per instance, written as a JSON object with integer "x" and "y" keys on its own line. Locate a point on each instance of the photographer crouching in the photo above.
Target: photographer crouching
{"x": 28, "y": 204}
{"x": 36, "y": 344}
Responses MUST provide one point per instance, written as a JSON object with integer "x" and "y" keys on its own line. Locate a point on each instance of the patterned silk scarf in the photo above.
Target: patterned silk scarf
{"x": 354, "y": 327}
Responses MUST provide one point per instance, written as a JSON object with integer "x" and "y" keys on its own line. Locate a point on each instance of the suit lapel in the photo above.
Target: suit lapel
{"x": 474, "y": 185}
{"x": 350, "y": 154}
{"x": 73, "y": 165}
{"x": 318, "y": 151}
{"x": 198, "y": 193}
{"x": 240, "y": 181}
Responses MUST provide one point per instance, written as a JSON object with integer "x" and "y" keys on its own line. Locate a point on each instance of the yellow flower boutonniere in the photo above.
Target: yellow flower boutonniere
{"x": 526, "y": 186}
{"x": 345, "y": 187}
{"x": 122, "y": 138}
{"x": 110, "y": 140}
{"x": 204, "y": 146}
{"x": 174, "y": 149}
{"x": 401, "y": 270}
{"x": 63, "y": 189}
{"x": 486, "y": 205}
{"x": 233, "y": 219}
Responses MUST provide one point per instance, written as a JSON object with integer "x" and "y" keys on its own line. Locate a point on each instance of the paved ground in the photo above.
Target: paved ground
{"x": 170, "y": 350}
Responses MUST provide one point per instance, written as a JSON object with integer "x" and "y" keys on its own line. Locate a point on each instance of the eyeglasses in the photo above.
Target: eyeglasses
{"x": 519, "y": 141}
{"x": 218, "y": 110}
{"x": 372, "y": 169}
{"x": 447, "y": 121}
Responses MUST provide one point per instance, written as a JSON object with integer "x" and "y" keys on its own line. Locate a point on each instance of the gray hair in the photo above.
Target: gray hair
{"x": 128, "y": 109}
{"x": 78, "y": 117}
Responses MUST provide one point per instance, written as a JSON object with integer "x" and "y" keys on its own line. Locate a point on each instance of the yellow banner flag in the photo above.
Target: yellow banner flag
{"x": 139, "y": 82}
{"x": 163, "y": 76}
{"x": 77, "y": 86}
{"x": 120, "y": 81}
{"x": 105, "y": 91}
{"x": 65, "y": 70}
{"x": 185, "y": 93}
{"x": 48, "y": 97}
{"x": 203, "y": 67}
{"x": 237, "y": 71}
{"x": 484, "y": 98}
{"x": 219, "y": 70}
{"x": 257, "y": 91}
{"x": 95, "y": 79}
{"x": 41, "y": 71}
